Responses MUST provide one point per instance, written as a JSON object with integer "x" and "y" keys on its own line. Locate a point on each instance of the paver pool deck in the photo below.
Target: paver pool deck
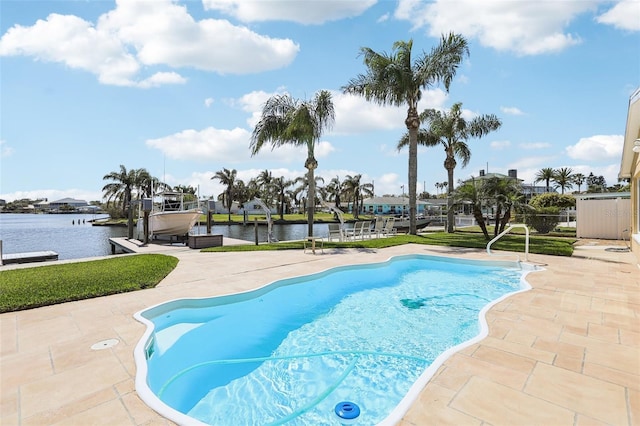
{"x": 566, "y": 352}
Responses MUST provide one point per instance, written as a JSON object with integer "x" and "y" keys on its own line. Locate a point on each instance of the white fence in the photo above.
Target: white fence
{"x": 603, "y": 218}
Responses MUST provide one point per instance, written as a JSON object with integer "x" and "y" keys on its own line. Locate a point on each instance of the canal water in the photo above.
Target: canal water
{"x": 73, "y": 237}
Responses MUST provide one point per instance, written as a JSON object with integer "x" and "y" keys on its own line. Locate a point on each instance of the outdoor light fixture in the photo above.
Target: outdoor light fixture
{"x": 636, "y": 145}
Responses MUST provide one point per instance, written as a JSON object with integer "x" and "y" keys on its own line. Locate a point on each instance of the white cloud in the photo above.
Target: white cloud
{"x": 5, "y": 150}
{"x": 208, "y": 102}
{"x": 383, "y": 18}
{"x": 500, "y": 145}
{"x": 531, "y": 161}
{"x": 205, "y": 145}
{"x": 253, "y": 103}
{"x": 354, "y": 114}
{"x": 138, "y": 34}
{"x": 625, "y": 15}
{"x": 161, "y": 78}
{"x": 388, "y": 183}
{"x": 229, "y": 146}
{"x": 76, "y": 43}
{"x": 323, "y": 149}
{"x": 511, "y": 110}
{"x": 303, "y": 12}
{"x": 597, "y": 147}
{"x": 523, "y": 27}
{"x": 534, "y": 145}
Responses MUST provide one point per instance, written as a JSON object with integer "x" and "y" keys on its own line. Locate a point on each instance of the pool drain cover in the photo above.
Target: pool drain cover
{"x": 105, "y": 344}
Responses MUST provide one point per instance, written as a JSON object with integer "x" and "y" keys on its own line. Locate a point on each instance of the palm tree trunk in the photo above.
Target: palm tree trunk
{"x": 505, "y": 220}
{"x": 129, "y": 214}
{"x": 477, "y": 214}
{"x": 496, "y": 229}
{"x": 413, "y": 124}
{"x": 311, "y": 198}
{"x": 450, "y": 212}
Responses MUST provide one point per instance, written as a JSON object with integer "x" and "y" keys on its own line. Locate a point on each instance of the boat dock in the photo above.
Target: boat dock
{"x": 125, "y": 245}
{"x": 29, "y": 257}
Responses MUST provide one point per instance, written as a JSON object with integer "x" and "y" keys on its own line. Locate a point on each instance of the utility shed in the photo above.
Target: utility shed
{"x": 604, "y": 216}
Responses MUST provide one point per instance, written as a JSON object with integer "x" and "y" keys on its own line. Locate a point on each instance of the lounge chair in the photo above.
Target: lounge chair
{"x": 365, "y": 230}
{"x": 335, "y": 231}
{"x": 388, "y": 227}
{"x": 378, "y": 227}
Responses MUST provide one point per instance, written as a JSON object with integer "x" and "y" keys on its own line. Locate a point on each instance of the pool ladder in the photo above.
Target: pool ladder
{"x": 526, "y": 244}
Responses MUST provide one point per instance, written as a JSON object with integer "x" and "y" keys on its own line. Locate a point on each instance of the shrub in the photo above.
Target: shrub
{"x": 553, "y": 199}
{"x": 543, "y": 219}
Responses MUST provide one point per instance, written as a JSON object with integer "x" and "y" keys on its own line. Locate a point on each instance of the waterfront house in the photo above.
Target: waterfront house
{"x": 397, "y": 206}
{"x": 68, "y": 204}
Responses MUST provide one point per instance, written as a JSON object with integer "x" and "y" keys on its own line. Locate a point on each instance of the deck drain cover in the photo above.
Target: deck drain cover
{"x": 105, "y": 344}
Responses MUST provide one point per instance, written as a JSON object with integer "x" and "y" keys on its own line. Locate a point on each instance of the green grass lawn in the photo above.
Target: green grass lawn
{"x": 537, "y": 244}
{"x": 47, "y": 285}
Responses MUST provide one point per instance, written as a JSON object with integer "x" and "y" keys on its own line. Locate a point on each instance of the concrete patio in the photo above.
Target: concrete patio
{"x": 565, "y": 353}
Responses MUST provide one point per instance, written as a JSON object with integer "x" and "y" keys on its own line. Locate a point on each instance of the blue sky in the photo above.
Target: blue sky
{"x": 176, "y": 87}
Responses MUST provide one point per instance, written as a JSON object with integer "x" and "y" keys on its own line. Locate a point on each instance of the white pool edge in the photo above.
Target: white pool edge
{"x": 156, "y": 404}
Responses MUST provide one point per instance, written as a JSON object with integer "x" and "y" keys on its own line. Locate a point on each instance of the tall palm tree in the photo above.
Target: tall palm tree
{"x": 124, "y": 184}
{"x": 335, "y": 190}
{"x": 264, "y": 180}
{"x": 471, "y": 191}
{"x": 564, "y": 178}
{"x": 357, "y": 191}
{"x": 288, "y": 121}
{"x": 579, "y": 179}
{"x": 280, "y": 186}
{"x": 452, "y": 131}
{"x": 505, "y": 194}
{"x": 394, "y": 79}
{"x": 227, "y": 178}
{"x": 545, "y": 175}
{"x": 302, "y": 190}
{"x": 120, "y": 189}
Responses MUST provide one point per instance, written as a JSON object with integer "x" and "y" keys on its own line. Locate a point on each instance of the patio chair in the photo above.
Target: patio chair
{"x": 365, "y": 230}
{"x": 378, "y": 227}
{"x": 335, "y": 231}
{"x": 388, "y": 227}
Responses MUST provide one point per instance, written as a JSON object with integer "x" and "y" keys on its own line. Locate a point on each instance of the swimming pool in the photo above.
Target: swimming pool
{"x": 293, "y": 351}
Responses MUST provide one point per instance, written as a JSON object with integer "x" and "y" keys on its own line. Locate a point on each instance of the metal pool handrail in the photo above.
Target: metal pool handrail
{"x": 526, "y": 244}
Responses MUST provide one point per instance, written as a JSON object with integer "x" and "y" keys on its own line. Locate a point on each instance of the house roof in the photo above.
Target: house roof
{"x": 68, "y": 201}
{"x": 631, "y": 134}
{"x": 493, "y": 175}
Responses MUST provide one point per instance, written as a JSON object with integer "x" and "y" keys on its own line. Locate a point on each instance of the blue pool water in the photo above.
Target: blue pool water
{"x": 289, "y": 352}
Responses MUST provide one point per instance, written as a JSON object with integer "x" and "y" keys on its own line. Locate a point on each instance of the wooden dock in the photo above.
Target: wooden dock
{"x": 34, "y": 256}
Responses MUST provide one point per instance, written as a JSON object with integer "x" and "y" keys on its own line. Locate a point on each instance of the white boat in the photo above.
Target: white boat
{"x": 171, "y": 217}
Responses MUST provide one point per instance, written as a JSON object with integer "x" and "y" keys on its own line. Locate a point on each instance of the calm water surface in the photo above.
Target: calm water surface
{"x": 73, "y": 237}
{"x": 70, "y": 235}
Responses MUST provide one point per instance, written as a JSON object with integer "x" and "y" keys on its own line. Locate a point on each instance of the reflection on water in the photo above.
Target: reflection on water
{"x": 73, "y": 237}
